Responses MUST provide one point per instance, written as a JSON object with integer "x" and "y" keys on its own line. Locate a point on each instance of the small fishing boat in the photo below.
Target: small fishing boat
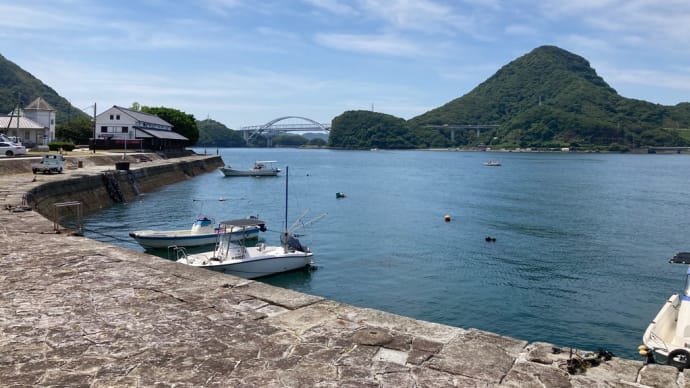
{"x": 260, "y": 168}
{"x": 250, "y": 261}
{"x": 202, "y": 232}
{"x": 492, "y": 163}
{"x": 668, "y": 335}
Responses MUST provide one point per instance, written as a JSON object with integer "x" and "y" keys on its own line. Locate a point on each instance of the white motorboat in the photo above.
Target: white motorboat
{"x": 250, "y": 261}
{"x": 202, "y": 232}
{"x": 492, "y": 163}
{"x": 260, "y": 168}
{"x": 668, "y": 335}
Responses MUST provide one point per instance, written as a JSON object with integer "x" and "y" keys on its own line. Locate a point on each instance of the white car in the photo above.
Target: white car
{"x": 11, "y": 149}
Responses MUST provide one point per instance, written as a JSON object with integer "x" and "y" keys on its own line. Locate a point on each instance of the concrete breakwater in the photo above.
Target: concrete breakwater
{"x": 95, "y": 191}
{"x": 77, "y": 312}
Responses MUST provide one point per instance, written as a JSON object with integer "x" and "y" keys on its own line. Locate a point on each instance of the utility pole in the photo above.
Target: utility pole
{"x": 94, "y": 127}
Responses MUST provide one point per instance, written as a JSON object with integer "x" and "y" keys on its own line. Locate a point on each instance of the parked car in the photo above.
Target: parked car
{"x": 49, "y": 164}
{"x": 11, "y": 149}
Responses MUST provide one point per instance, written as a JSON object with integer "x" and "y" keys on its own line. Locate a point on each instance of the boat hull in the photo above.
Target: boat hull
{"x": 661, "y": 331}
{"x": 264, "y": 267}
{"x": 251, "y": 262}
{"x": 668, "y": 335}
{"x": 232, "y": 172}
{"x": 150, "y": 239}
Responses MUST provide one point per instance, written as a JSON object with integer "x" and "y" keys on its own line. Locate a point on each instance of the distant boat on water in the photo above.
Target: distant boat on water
{"x": 260, "y": 168}
{"x": 492, "y": 163}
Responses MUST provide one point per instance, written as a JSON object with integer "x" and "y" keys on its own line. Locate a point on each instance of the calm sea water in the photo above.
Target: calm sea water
{"x": 582, "y": 240}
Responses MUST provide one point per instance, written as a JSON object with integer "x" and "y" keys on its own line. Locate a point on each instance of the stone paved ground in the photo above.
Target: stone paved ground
{"x": 76, "y": 312}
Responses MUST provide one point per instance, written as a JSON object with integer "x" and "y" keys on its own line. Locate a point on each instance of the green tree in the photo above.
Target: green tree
{"x": 215, "y": 134}
{"x": 289, "y": 140}
{"x": 78, "y": 130}
{"x": 364, "y": 129}
{"x": 183, "y": 123}
{"x": 317, "y": 142}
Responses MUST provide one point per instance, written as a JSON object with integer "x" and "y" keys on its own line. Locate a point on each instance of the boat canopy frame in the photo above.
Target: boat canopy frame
{"x": 242, "y": 223}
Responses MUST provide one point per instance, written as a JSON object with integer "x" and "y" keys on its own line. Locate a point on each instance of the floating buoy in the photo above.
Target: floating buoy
{"x": 340, "y": 194}
{"x": 643, "y": 350}
{"x": 446, "y": 218}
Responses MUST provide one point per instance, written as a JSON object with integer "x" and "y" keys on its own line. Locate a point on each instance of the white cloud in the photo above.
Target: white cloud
{"x": 35, "y": 18}
{"x": 221, "y": 7}
{"x": 653, "y": 78}
{"x": 372, "y": 44}
{"x": 333, "y": 6}
{"x": 586, "y": 43}
{"x": 418, "y": 15}
{"x": 632, "y": 22}
{"x": 520, "y": 29}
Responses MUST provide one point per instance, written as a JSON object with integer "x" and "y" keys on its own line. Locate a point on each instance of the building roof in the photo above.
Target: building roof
{"x": 143, "y": 117}
{"x": 39, "y": 104}
{"x": 146, "y": 132}
{"x": 10, "y": 122}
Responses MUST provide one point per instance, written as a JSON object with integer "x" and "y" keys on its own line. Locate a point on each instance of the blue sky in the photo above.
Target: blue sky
{"x": 249, "y": 62}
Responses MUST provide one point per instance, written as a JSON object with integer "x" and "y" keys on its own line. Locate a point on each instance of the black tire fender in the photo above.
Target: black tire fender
{"x": 683, "y": 360}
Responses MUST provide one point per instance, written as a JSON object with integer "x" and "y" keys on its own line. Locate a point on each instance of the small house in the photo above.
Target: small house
{"x": 119, "y": 127}
{"x": 34, "y": 124}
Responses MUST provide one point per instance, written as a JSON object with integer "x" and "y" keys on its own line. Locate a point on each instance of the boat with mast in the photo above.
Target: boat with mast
{"x": 251, "y": 262}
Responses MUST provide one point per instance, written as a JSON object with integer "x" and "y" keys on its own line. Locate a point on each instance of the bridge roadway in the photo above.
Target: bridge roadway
{"x": 81, "y": 313}
{"x": 272, "y": 128}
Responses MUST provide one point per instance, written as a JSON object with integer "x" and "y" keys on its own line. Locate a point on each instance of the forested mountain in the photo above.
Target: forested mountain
{"x": 551, "y": 97}
{"x": 215, "y": 134}
{"x": 546, "y": 98}
{"x": 19, "y": 85}
{"x": 364, "y": 129}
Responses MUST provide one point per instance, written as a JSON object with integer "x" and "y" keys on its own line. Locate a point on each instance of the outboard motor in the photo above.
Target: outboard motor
{"x": 293, "y": 243}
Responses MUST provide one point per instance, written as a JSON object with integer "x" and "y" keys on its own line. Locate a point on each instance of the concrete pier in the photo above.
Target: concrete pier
{"x": 80, "y": 313}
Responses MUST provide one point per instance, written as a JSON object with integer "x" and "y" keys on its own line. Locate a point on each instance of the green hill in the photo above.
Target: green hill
{"x": 364, "y": 129}
{"x": 215, "y": 134}
{"x": 551, "y": 98}
{"x": 16, "y": 83}
{"x": 547, "y": 98}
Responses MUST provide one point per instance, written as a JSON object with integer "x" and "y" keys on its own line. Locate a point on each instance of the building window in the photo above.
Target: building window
{"x": 111, "y": 117}
{"x": 117, "y": 117}
{"x": 125, "y": 129}
{"x": 104, "y": 129}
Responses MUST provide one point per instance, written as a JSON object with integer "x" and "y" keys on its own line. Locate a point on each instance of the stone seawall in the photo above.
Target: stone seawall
{"x": 92, "y": 190}
{"x": 80, "y": 313}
